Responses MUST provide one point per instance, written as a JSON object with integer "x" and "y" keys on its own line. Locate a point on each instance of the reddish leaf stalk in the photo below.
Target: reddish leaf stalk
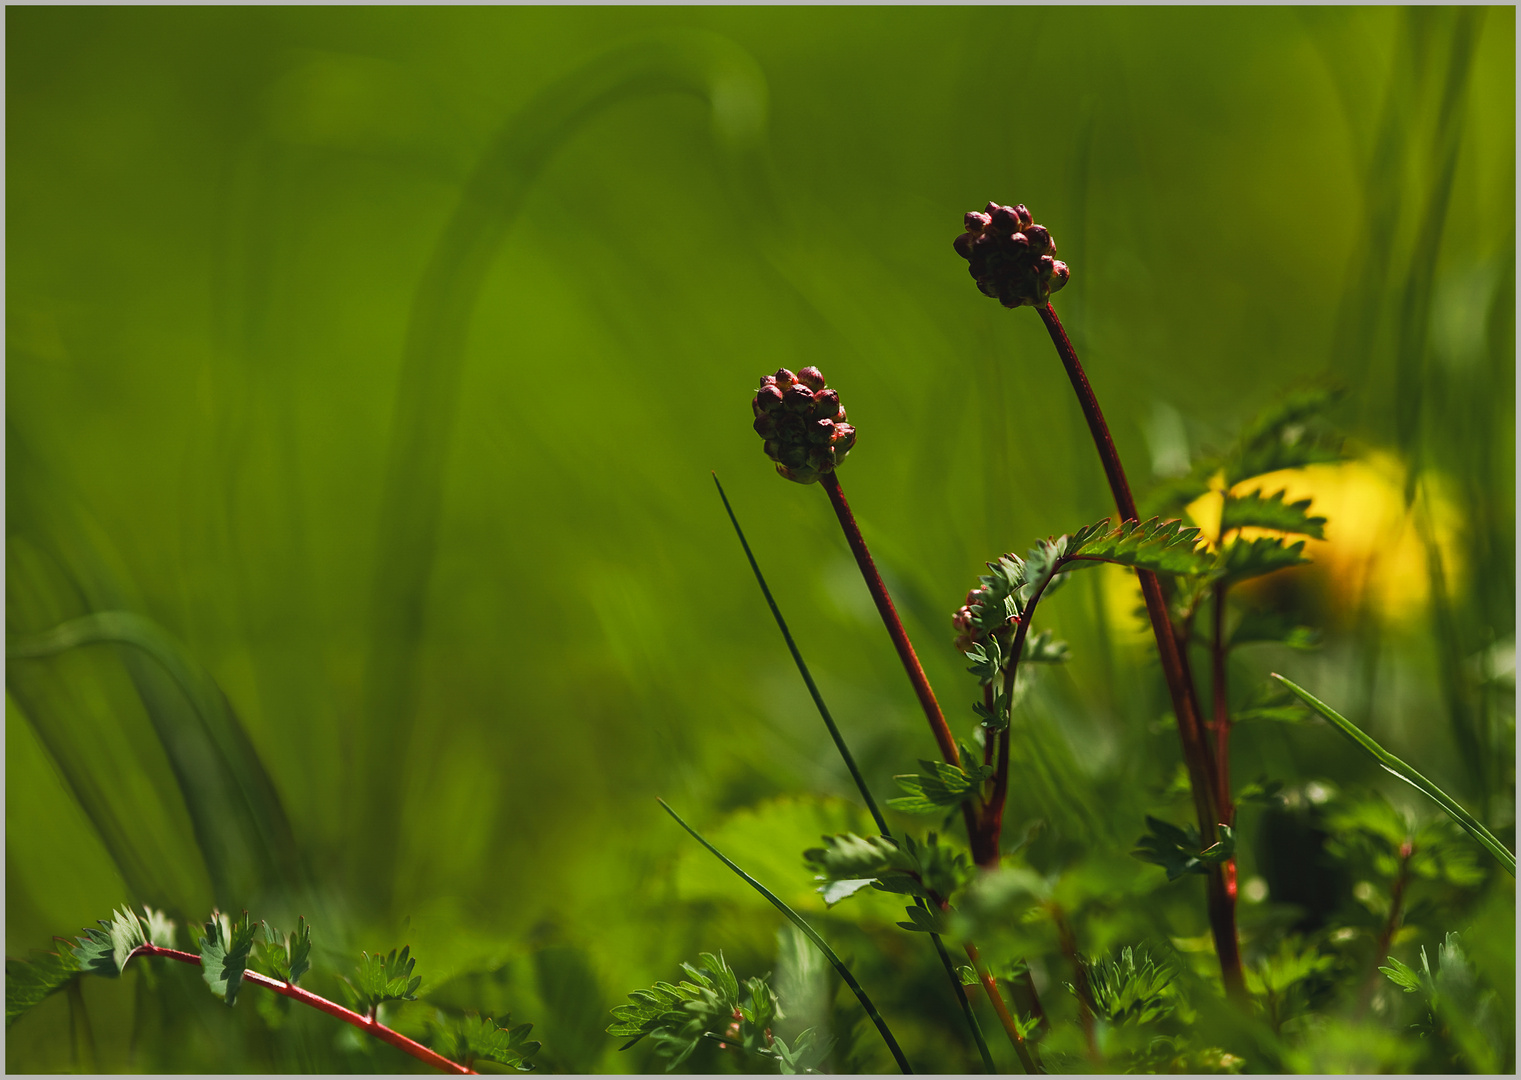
{"x": 348, "y": 1016}
{"x": 1196, "y": 752}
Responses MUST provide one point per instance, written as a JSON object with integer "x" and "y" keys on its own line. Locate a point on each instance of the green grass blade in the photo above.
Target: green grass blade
{"x": 238, "y": 818}
{"x": 810, "y": 933}
{"x": 802, "y": 667}
{"x": 1407, "y": 774}
{"x": 855, "y": 773}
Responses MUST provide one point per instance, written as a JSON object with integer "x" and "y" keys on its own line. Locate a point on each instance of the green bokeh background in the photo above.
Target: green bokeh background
{"x": 219, "y": 225}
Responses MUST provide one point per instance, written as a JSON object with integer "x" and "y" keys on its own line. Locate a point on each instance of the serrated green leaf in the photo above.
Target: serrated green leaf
{"x": 806, "y": 1053}
{"x": 1178, "y": 849}
{"x": 1284, "y": 436}
{"x": 386, "y": 978}
{"x": 159, "y": 927}
{"x": 940, "y": 787}
{"x": 1402, "y": 976}
{"x": 1242, "y": 559}
{"x": 225, "y": 946}
{"x": 1164, "y": 547}
{"x": 105, "y": 950}
{"x": 925, "y": 920}
{"x": 473, "y": 1038}
{"x": 1254, "y": 510}
{"x": 1127, "y": 991}
{"x": 285, "y": 956}
{"x": 28, "y": 982}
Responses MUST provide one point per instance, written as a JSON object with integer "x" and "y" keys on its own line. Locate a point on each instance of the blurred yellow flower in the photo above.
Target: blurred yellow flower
{"x": 1373, "y": 552}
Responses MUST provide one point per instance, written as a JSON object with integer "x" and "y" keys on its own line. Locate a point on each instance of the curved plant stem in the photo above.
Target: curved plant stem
{"x": 1196, "y": 754}
{"x": 306, "y": 997}
{"x": 812, "y": 935}
{"x": 1222, "y": 716}
{"x": 942, "y": 732}
{"x": 995, "y": 996}
{"x": 1408, "y": 774}
{"x": 855, "y": 773}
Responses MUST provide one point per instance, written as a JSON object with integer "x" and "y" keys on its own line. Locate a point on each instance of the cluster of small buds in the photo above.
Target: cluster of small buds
{"x": 803, "y": 424}
{"x": 1011, "y": 258}
{"x": 987, "y": 605}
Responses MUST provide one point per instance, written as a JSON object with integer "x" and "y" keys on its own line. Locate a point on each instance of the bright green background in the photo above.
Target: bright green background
{"x": 218, "y": 220}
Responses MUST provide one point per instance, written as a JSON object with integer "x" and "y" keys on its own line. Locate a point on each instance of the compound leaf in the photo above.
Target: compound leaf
{"x": 1257, "y": 511}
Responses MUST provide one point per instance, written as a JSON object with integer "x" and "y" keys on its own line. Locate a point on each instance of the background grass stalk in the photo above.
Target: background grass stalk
{"x": 1196, "y": 755}
{"x": 809, "y": 932}
{"x": 855, "y": 773}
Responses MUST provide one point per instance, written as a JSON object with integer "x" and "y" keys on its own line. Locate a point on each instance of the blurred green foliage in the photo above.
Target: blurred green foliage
{"x": 365, "y": 368}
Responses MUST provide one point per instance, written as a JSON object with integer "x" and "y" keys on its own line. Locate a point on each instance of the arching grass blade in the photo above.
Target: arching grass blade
{"x": 855, "y": 773}
{"x": 810, "y": 933}
{"x": 1408, "y": 774}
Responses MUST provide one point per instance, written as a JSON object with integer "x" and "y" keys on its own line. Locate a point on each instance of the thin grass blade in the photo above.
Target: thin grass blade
{"x": 855, "y": 773}
{"x": 812, "y": 935}
{"x": 1408, "y": 774}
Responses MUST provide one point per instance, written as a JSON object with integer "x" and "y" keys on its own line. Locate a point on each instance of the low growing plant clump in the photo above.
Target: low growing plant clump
{"x": 996, "y": 897}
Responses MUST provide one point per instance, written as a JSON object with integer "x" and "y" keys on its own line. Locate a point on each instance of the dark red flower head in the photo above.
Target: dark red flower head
{"x": 802, "y": 423}
{"x": 1011, "y": 258}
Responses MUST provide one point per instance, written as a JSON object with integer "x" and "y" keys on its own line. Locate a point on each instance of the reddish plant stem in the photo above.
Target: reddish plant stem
{"x": 995, "y": 996}
{"x": 1196, "y": 754}
{"x": 1222, "y": 721}
{"x": 348, "y": 1016}
{"x": 831, "y": 485}
{"x": 1391, "y": 926}
{"x": 1068, "y": 942}
{"x": 942, "y": 732}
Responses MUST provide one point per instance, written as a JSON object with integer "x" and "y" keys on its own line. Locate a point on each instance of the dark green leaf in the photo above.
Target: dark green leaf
{"x": 224, "y": 953}
{"x": 1270, "y": 626}
{"x": 941, "y": 786}
{"x": 106, "y": 949}
{"x": 1242, "y": 559}
{"x": 1284, "y": 436}
{"x": 472, "y": 1038}
{"x": 1165, "y": 547}
{"x": 28, "y": 982}
{"x": 1178, "y": 849}
{"x": 1271, "y": 512}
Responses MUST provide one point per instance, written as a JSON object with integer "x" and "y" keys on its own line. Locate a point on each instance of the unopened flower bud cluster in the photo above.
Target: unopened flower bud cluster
{"x": 987, "y": 608}
{"x": 1011, "y": 258}
{"x": 803, "y": 424}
